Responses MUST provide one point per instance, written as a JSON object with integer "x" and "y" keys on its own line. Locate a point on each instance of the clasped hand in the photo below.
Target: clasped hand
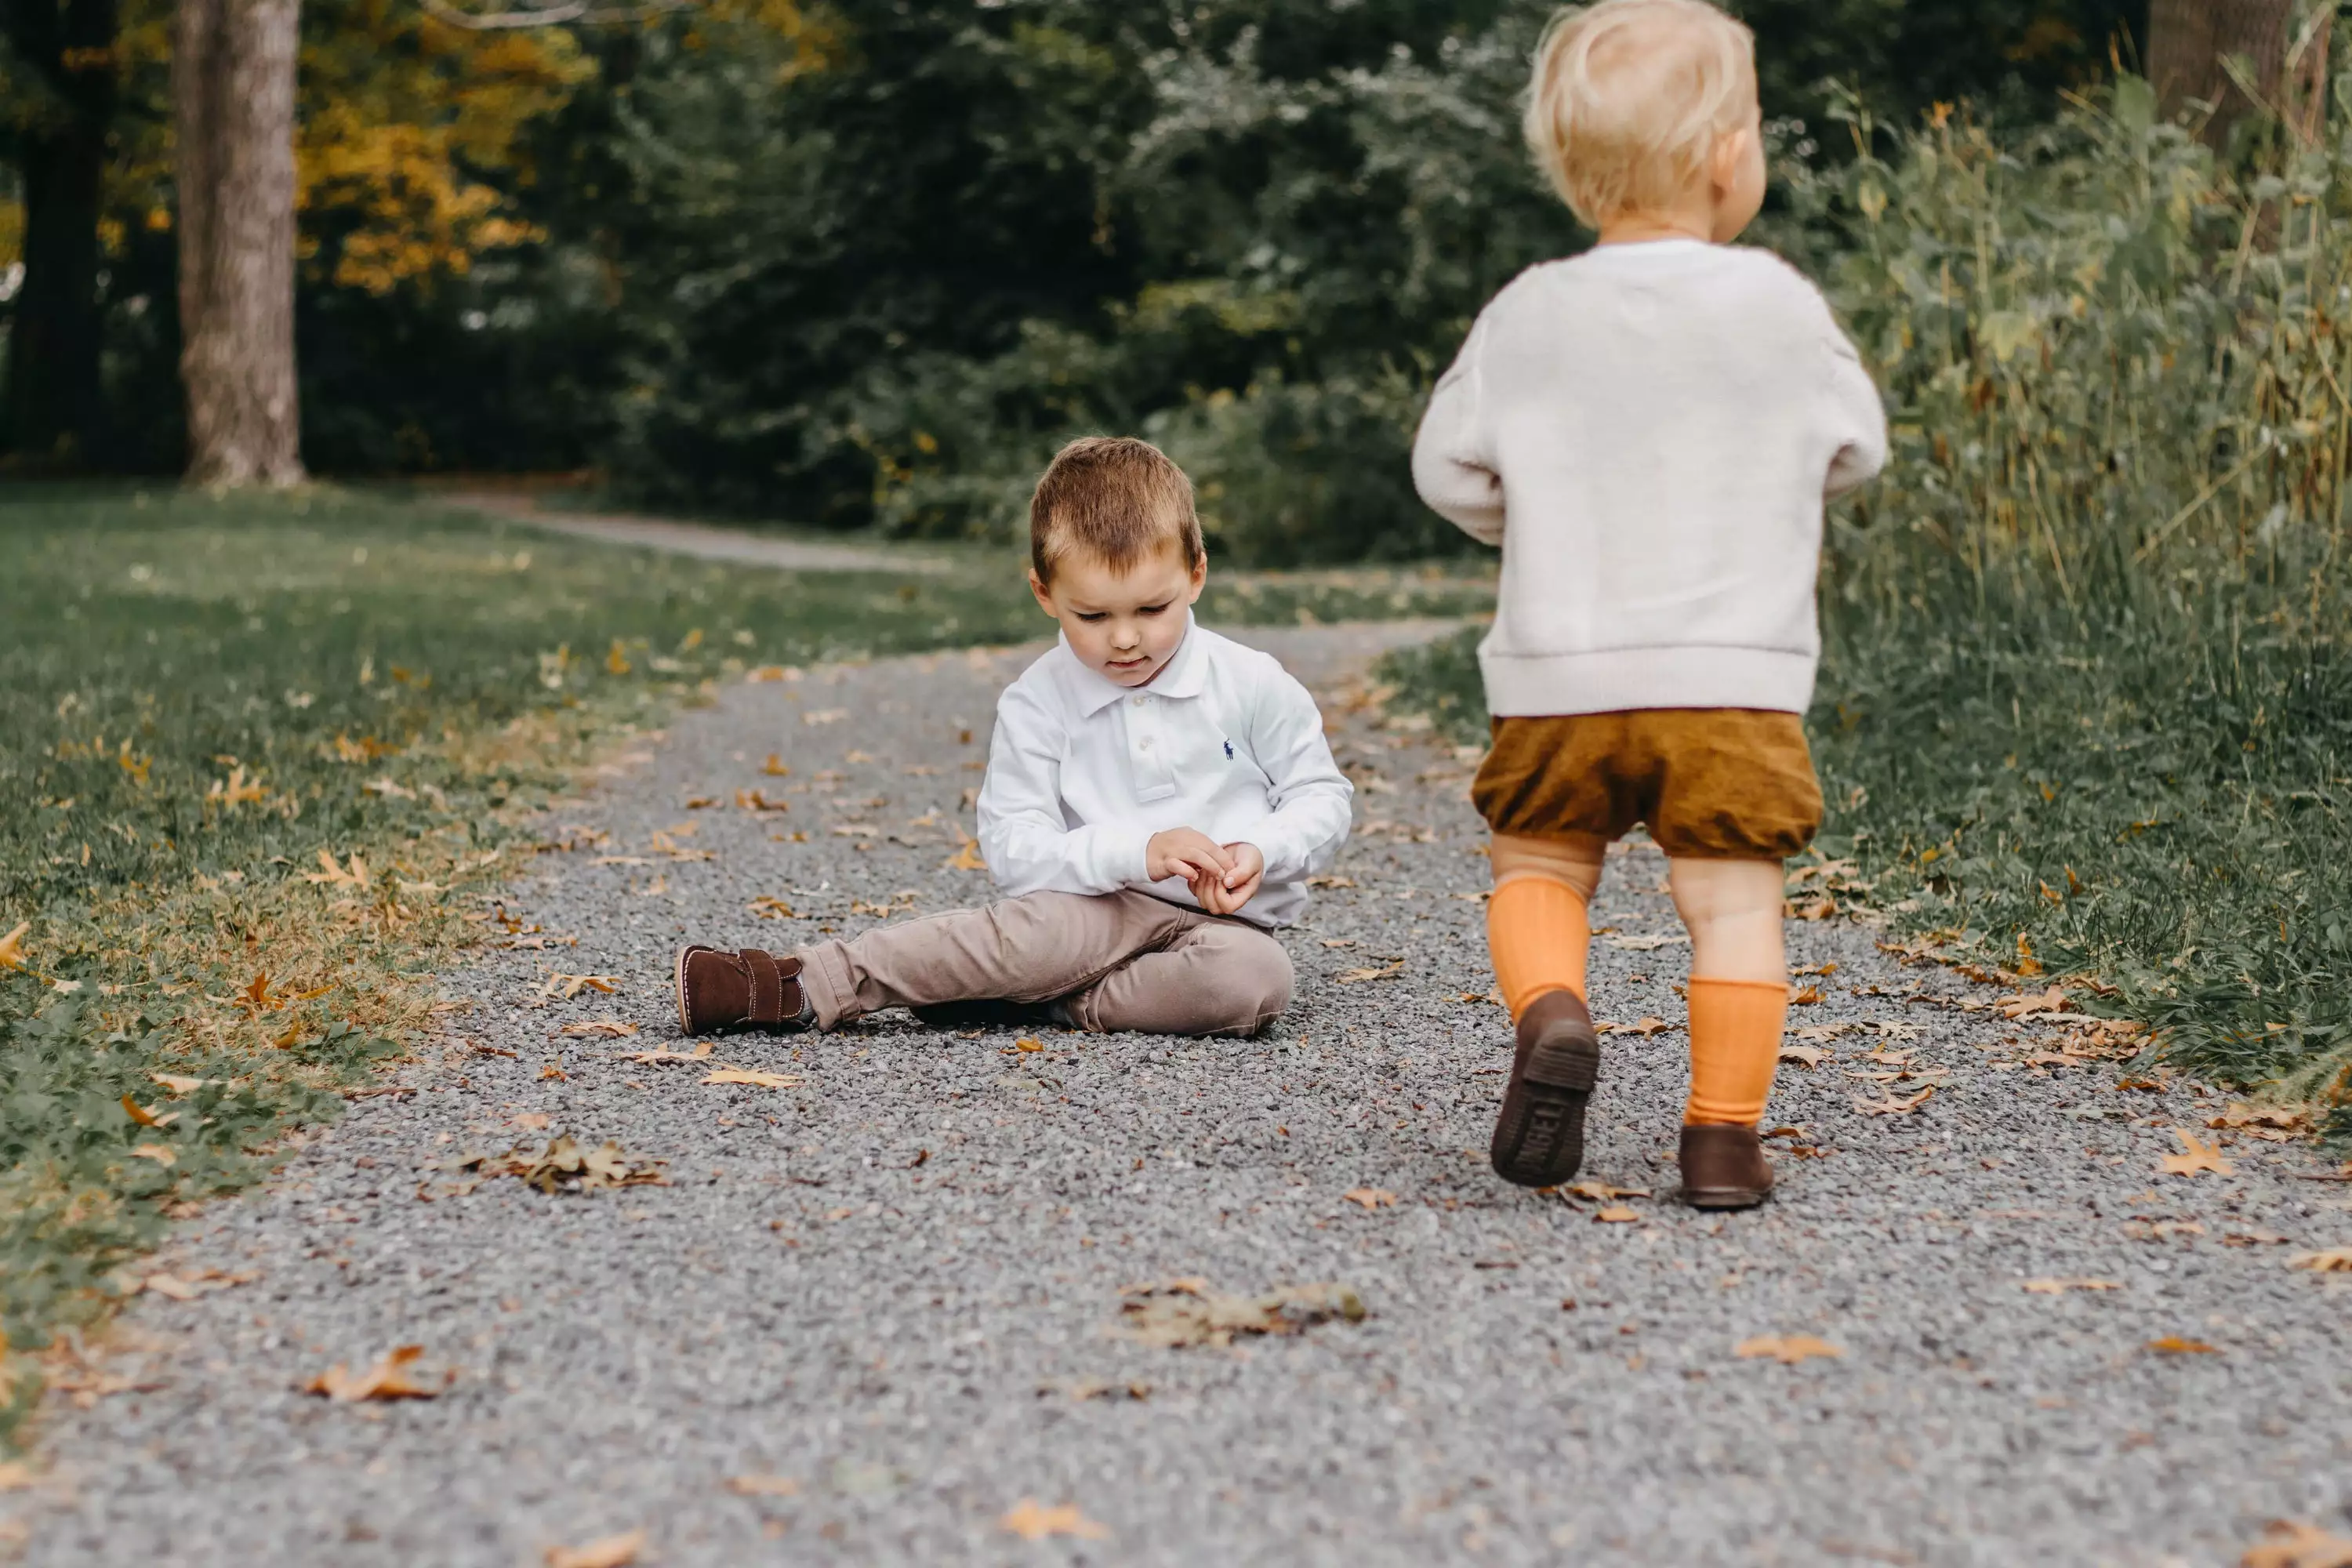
{"x": 1222, "y": 876}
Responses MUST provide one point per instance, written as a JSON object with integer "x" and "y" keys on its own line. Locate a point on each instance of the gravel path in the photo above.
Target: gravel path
{"x": 786, "y": 552}
{"x": 885, "y": 1286}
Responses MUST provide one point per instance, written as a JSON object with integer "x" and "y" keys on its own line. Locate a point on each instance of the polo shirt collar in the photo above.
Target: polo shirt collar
{"x": 1186, "y": 674}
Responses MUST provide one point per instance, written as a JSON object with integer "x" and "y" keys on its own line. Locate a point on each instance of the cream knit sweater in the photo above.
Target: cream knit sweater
{"x": 1649, "y": 432}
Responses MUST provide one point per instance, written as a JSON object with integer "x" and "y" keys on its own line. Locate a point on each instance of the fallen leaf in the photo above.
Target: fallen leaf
{"x": 155, "y": 1152}
{"x": 774, "y": 767}
{"x": 758, "y": 801}
{"x": 1786, "y": 1348}
{"x": 1806, "y": 1056}
{"x": 571, "y": 985}
{"x": 609, "y": 1550}
{"x": 552, "y": 1071}
{"x": 601, "y": 1028}
{"x": 1341, "y": 941}
{"x": 773, "y": 909}
{"x": 1617, "y": 1214}
{"x": 1371, "y": 1197}
{"x": 2288, "y": 1543}
{"x": 561, "y": 1166}
{"x": 179, "y": 1085}
{"x": 1033, "y": 1521}
{"x": 179, "y": 1288}
{"x": 2199, "y": 1156}
{"x": 2173, "y": 1344}
{"x": 2050, "y": 1000}
{"x": 1602, "y": 1192}
{"x": 1643, "y": 1026}
{"x": 763, "y": 1485}
{"x": 387, "y": 1379}
{"x": 532, "y": 1120}
{"x": 1028, "y": 1043}
{"x": 2334, "y": 1260}
{"x": 11, "y": 946}
{"x": 1894, "y": 1104}
{"x": 1184, "y": 1313}
{"x": 1647, "y": 943}
{"x": 1806, "y": 996}
{"x": 1330, "y": 881}
{"x": 139, "y": 1113}
{"x": 2060, "y": 1287}
{"x": 755, "y": 1079}
{"x": 1357, "y": 977}
{"x": 335, "y": 876}
{"x": 16, "y": 1475}
{"x": 967, "y": 857}
{"x": 650, "y": 1059}
{"x": 824, "y": 716}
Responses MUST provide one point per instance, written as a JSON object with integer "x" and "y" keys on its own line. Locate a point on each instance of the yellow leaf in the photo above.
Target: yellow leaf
{"x": 11, "y": 946}
{"x": 335, "y": 876}
{"x": 1615, "y": 1214}
{"x": 1786, "y": 1348}
{"x": 774, "y": 767}
{"x": 1602, "y": 1192}
{"x": 571, "y": 985}
{"x": 2173, "y": 1344}
{"x": 967, "y": 857}
{"x": 2060, "y": 1287}
{"x": 2050, "y": 1000}
{"x": 2289, "y": 1544}
{"x": 387, "y": 1379}
{"x": 605, "y": 1551}
{"x": 157, "y": 1153}
{"x": 1033, "y": 1521}
{"x": 754, "y": 1079}
{"x": 1806, "y": 997}
{"x": 615, "y": 659}
{"x": 2335, "y": 1260}
{"x": 699, "y": 1053}
{"x": 2199, "y": 1156}
{"x": 552, "y": 1071}
{"x": 773, "y": 909}
{"x": 178, "y": 1084}
{"x": 1807, "y": 1056}
{"x": 1371, "y": 1197}
{"x": 1027, "y": 1043}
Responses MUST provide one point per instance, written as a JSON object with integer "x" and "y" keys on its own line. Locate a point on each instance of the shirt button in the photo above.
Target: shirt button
{"x": 1145, "y": 743}
{"x": 1139, "y": 701}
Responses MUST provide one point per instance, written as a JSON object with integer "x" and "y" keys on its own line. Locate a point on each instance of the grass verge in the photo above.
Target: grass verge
{"x": 2162, "y": 806}
{"x": 261, "y": 753}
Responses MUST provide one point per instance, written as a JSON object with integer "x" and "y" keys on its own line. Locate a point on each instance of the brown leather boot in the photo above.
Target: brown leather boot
{"x": 1724, "y": 1168}
{"x": 720, "y": 992}
{"x": 1540, "y": 1136}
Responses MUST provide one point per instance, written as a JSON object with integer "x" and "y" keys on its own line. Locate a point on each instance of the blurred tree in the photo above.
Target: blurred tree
{"x": 61, "y": 96}
{"x": 2223, "y": 58}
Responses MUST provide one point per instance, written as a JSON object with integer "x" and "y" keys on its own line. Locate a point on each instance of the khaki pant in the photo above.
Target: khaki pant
{"x": 1115, "y": 961}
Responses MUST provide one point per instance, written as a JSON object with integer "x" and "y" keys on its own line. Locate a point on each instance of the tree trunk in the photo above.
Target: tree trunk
{"x": 233, "y": 109}
{"x": 2189, "y": 39}
{"x": 55, "y": 409}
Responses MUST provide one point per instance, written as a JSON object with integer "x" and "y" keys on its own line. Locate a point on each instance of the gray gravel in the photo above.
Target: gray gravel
{"x": 883, "y": 1283}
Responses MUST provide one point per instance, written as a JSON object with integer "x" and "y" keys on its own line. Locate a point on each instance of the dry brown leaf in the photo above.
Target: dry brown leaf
{"x": 2173, "y": 1344}
{"x": 2290, "y": 1544}
{"x": 571, "y": 985}
{"x": 967, "y": 857}
{"x": 1894, "y": 1104}
{"x": 2019, "y": 1006}
{"x": 1031, "y": 1521}
{"x": 556, "y": 1073}
{"x": 758, "y": 801}
{"x": 1602, "y": 1192}
{"x": 334, "y": 876}
{"x": 1357, "y": 977}
{"x": 754, "y": 1079}
{"x": 775, "y": 768}
{"x": 1187, "y": 1311}
{"x": 2060, "y": 1287}
{"x": 1028, "y": 1043}
{"x": 2199, "y": 1156}
{"x": 11, "y": 946}
{"x": 531, "y": 1121}
{"x": 155, "y": 1152}
{"x": 605, "y": 1551}
{"x": 1806, "y": 1056}
{"x": 1616, "y": 1214}
{"x": 1371, "y": 1197}
{"x": 2334, "y": 1260}
{"x": 773, "y": 909}
{"x": 1330, "y": 881}
{"x": 179, "y": 1085}
{"x": 15, "y": 1475}
{"x": 187, "y": 1288}
{"x": 601, "y": 1028}
{"x": 650, "y": 1059}
{"x": 763, "y": 1485}
{"x": 387, "y": 1379}
{"x": 1806, "y": 996}
{"x": 1645, "y": 1027}
{"x": 139, "y": 1113}
{"x": 1786, "y": 1348}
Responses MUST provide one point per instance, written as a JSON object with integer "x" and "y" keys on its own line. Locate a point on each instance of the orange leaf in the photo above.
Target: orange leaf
{"x": 139, "y": 1113}
{"x": 2199, "y": 1156}
{"x": 387, "y": 1379}
{"x": 607, "y": 1552}
{"x": 1786, "y": 1348}
{"x": 1032, "y": 1521}
{"x": 2173, "y": 1344}
{"x": 755, "y": 1079}
{"x": 2335, "y": 1260}
{"x": 1027, "y": 1044}
{"x": 1615, "y": 1214}
{"x": 1371, "y": 1197}
{"x": 11, "y": 946}
{"x": 2289, "y": 1544}
{"x": 763, "y": 1485}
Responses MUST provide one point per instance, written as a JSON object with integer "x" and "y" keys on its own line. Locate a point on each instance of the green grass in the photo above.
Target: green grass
{"x": 199, "y": 697}
{"x": 2164, "y": 806}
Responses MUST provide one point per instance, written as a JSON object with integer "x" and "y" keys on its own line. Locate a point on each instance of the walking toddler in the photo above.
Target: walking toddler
{"x": 1156, "y": 798}
{"x": 1649, "y": 430}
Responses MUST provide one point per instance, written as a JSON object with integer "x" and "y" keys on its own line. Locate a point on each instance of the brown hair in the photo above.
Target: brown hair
{"x": 1119, "y": 500}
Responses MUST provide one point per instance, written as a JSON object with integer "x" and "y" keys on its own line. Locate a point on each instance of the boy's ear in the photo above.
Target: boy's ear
{"x": 1044, "y": 595}
{"x": 1200, "y": 579}
{"x": 1730, "y": 151}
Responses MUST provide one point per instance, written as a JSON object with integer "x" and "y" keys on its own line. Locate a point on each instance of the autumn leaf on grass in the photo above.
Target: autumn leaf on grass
{"x": 387, "y": 1379}
{"x": 2199, "y": 1155}
{"x": 1357, "y": 977}
{"x": 2335, "y": 1260}
{"x": 1786, "y": 1348}
{"x": 1031, "y": 1520}
{"x": 571, "y": 985}
{"x": 1371, "y": 1197}
{"x": 1805, "y": 1055}
{"x": 11, "y": 946}
{"x": 2060, "y": 1287}
{"x": 967, "y": 857}
{"x": 331, "y": 875}
{"x": 142, "y": 1115}
{"x": 754, "y": 1079}
{"x": 1894, "y": 1104}
{"x": 2289, "y": 1544}
{"x": 601, "y": 1028}
{"x": 179, "y": 1085}
{"x": 235, "y": 790}
{"x": 605, "y": 1551}
{"x": 2173, "y": 1344}
{"x": 652, "y": 1058}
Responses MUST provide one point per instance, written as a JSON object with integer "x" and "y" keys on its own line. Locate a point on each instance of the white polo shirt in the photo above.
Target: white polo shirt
{"x": 1083, "y": 771}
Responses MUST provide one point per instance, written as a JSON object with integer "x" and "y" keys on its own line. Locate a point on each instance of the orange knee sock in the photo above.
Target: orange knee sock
{"x": 1735, "y": 1034}
{"x": 1538, "y": 930}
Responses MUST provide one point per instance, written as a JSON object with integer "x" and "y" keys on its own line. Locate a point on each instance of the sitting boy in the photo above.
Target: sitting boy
{"x": 1649, "y": 431}
{"x": 1157, "y": 796}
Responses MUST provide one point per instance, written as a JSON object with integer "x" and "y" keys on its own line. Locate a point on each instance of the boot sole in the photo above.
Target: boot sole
{"x": 685, "y": 1022}
{"x": 1539, "y": 1137}
{"x": 1726, "y": 1197}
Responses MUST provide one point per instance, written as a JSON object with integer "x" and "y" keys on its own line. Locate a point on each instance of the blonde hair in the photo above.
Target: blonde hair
{"x": 1630, "y": 98}
{"x": 1117, "y": 499}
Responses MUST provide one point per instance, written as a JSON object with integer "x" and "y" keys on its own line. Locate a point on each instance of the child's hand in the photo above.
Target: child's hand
{"x": 1226, "y": 894}
{"x": 1186, "y": 852}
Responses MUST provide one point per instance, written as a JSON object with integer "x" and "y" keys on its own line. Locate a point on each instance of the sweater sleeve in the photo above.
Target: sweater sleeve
{"x": 1857, "y": 418}
{"x": 1027, "y": 844}
{"x": 1310, "y": 796}
{"x": 1449, "y": 466}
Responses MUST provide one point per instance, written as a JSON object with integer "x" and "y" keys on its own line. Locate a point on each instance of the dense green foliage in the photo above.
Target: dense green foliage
{"x": 2086, "y": 680}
